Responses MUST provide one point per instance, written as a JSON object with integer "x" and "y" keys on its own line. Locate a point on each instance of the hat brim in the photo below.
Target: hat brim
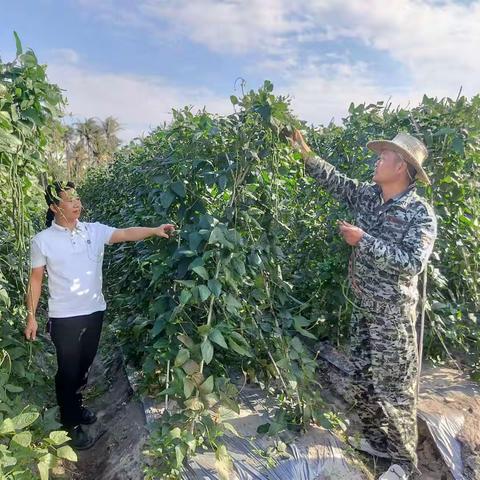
{"x": 379, "y": 145}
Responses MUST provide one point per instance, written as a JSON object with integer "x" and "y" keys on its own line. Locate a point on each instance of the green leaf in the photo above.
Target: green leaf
{"x": 223, "y": 462}
{"x": 29, "y": 59}
{"x": 24, "y": 420}
{"x": 23, "y": 438}
{"x": 238, "y": 348}
{"x": 13, "y": 388}
{"x": 306, "y": 333}
{"x": 300, "y": 321}
{"x": 198, "y": 262}
{"x": 186, "y": 340}
{"x": 204, "y": 292}
{"x": 191, "y": 442}
{"x": 232, "y": 303}
{"x": 58, "y": 437}
{"x": 43, "y": 469}
{"x": 4, "y": 298}
{"x": 222, "y": 183}
{"x": 215, "y": 287}
{"x": 268, "y": 86}
{"x": 194, "y": 404}
{"x": 204, "y": 330}
{"x": 207, "y": 351}
{"x": 179, "y": 189}
{"x": 254, "y": 259}
{"x": 217, "y": 337}
{"x": 179, "y": 455}
{"x": 188, "y": 387}
{"x": 166, "y": 199}
{"x": 18, "y": 44}
{"x": 175, "y": 432}
{"x": 201, "y": 271}
{"x": 239, "y": 338}
{"x": 239, "y": 266}
{"x": 185, "y": 296}
{"x": 191, "y": 367}
{"x": 158, "y": 326}
{"x": 67, "y": 453}
{"x": 182, "y": 356}
{"x": 194, "y": 240}
{"x": 47, "y": 462}
{"x": 297, "y": 344}
{"x": 207, "y": 386}
{"x": 187, "y": 283}
{"x": 234, "y": 100}
{"x": 458, "y": 145}
{"x": 217, "y": 236}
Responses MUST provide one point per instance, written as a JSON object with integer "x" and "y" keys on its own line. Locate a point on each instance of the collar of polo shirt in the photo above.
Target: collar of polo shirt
{"x": 78, "y": 226}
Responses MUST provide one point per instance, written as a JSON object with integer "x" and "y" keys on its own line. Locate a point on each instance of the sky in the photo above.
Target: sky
{"x": 138, "y": 59}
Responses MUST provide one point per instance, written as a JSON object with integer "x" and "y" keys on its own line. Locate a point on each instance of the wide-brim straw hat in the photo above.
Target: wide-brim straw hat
{"x": 411, "y": 149}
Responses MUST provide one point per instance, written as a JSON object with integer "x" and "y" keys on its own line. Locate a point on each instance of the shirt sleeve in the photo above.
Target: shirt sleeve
{"x": 411, "y": 256}
{"x": 104, "y": 232}
{"x": 339, "y": 185}
{"x": 37, "y": 257}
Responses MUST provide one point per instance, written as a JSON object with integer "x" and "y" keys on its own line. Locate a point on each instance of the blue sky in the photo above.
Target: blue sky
{"x": 136, "y": 60}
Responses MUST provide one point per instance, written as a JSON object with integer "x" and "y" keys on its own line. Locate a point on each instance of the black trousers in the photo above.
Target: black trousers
{"x": 76, "y": 341}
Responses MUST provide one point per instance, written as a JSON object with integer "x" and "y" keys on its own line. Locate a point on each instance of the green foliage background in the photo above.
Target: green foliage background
{"x": 30, "y": 445}
{"x": 255, "y": 277}
{"x": 258, "y": 272}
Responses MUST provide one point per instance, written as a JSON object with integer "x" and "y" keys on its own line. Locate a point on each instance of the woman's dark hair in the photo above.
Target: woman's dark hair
{"x": 52, "y": 196}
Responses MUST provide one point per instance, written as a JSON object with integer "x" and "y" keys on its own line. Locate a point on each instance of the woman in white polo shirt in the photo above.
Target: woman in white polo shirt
{"x": 72, "y": 252}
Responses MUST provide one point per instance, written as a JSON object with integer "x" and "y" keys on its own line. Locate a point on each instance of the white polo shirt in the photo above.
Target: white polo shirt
{"x": 74, "y": 265}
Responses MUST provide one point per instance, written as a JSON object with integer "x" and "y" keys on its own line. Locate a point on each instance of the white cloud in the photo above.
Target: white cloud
{"x": 434, "y": 42}
{"x": 235, "y": 26}
{"x": 230, "y": 27}
{"x": 323, "y": 93}
{"x": 138, "y": 103}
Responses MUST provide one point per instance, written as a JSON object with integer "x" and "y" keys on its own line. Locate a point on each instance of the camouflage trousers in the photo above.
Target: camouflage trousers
{"x": 385, "y": 358}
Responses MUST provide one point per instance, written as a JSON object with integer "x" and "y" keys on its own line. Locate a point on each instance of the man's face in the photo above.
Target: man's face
{"x": 388, "y": 167}
{"x": 69, "y": 206}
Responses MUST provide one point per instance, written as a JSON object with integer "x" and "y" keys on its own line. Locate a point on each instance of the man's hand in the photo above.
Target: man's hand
{"x": 351, "y": 234}
{"x": 165, "y": 230}
{"x": 298, "y": 142}
{"x": 31, "y": 329}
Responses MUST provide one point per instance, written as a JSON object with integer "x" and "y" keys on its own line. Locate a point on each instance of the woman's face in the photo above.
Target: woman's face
{"x": 69, "y": 206}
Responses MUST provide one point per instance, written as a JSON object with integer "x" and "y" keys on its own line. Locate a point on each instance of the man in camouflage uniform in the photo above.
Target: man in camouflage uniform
{"x": 393, "y": 238}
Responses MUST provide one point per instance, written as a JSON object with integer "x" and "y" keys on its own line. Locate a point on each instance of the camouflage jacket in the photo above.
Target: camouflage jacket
{"x": 398, "y": 240}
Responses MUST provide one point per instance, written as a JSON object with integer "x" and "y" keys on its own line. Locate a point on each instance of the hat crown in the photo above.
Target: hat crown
{"x": 412, "y": 145}
{"x": 411, "y": 149}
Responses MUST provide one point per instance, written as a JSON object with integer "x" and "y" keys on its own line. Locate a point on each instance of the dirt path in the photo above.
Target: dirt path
{"x": 120, "y": 427}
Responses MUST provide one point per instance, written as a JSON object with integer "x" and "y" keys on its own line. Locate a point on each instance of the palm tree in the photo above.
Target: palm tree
{"x": 110, "y": 128}
{"x": 90, "y": 135}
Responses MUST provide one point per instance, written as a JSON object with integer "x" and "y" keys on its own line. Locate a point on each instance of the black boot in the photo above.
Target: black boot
{"x": 80, "y": 439}
{"x": 87, "y": 416}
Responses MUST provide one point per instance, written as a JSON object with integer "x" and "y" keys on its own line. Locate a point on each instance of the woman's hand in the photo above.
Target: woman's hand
{"x": 31, "y": 329}
{"x": 165, "y": 231}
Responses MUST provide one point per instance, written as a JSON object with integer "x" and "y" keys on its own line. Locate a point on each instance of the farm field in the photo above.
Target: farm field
{"x": 254, "y": 279}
